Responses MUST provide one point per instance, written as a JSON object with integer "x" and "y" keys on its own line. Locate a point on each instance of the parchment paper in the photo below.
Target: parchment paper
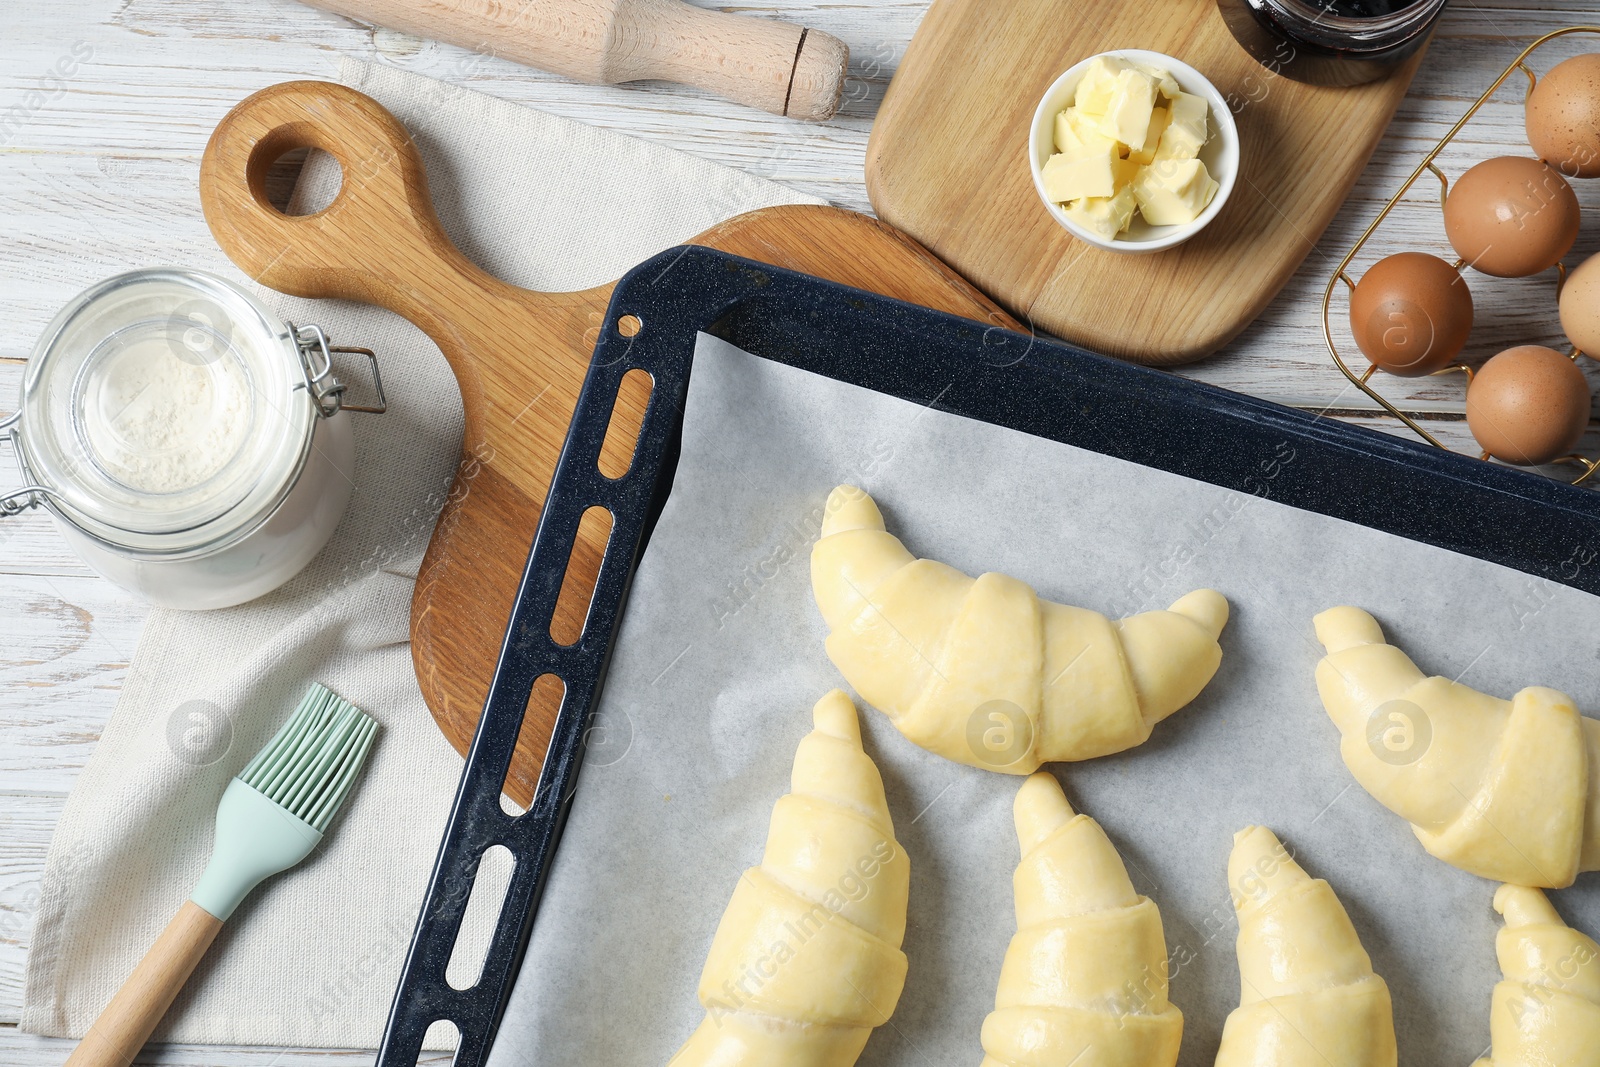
{"x": 721, "y": 657}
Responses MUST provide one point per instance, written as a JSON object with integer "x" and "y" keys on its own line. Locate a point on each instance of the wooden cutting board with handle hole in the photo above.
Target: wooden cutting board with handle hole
{"x": 948, "y": 164}
{"x": 519, "y": 356}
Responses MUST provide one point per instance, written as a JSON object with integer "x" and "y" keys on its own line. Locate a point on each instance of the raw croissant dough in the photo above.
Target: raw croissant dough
{"x": 1308, "y": 997}
{"x": 984, "y": 672}
{"x": 1505, "y": 789}
{"x": 807, "y": 958}
{"x": 1547, "y": 1011}
{"x": 1085, "y": 979}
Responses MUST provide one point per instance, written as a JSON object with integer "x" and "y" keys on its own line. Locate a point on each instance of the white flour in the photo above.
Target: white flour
{"x": 161, "y": 419}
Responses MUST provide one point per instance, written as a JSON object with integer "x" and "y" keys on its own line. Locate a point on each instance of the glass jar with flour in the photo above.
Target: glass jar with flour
{"x": 192, "y": 446}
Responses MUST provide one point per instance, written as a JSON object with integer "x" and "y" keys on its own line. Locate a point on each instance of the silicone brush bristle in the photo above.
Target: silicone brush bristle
{"x": 310, "y": 766}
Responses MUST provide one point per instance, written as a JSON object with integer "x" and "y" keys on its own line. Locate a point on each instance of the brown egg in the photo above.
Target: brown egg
{"x": 1564, "y": 117}
{"x": 1528, "y": 405}
{"x": 1580, "y": 306}
{"x": 1411, "y": 313}
{"x": 1511, "y": 217}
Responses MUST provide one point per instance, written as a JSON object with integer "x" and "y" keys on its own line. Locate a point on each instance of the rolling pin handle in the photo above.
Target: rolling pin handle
{"x": 817, "y": 88}
{"x": 765, "y": 63}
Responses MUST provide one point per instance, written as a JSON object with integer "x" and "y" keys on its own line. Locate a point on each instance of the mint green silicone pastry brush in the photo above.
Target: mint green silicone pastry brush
{"x": 271, "y": 817}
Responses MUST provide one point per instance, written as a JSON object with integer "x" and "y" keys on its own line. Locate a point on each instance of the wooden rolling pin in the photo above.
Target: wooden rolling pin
{"x": 776, "y": 66}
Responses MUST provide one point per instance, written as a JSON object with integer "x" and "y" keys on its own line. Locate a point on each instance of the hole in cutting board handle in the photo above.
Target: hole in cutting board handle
{"x": 303, "y": 181}
{"x": 284, "y": 158}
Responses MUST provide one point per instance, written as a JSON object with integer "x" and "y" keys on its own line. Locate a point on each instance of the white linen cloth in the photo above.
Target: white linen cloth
{"x": 312, "y": 957}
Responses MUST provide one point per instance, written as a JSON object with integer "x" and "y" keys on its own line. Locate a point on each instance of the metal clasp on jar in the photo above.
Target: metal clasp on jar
{"x": 327, "y": 392}
{"x": 17, "y": 501}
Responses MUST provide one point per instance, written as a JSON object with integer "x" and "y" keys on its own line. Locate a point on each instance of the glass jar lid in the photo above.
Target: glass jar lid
{"x": 165, "y": 410}
{"x": 1354, "y": 28}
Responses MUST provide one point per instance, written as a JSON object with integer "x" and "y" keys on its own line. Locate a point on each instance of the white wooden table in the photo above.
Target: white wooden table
{"x": 98, "y": 175}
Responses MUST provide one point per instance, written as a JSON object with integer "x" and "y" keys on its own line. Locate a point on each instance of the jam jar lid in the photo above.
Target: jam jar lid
{"x": 1345, "y": 29}
{"x": 165, "y": 411}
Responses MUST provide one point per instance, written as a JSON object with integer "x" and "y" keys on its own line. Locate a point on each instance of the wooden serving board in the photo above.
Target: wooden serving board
{"x": 948, "y": 164}
{"x": 380, "y": 242}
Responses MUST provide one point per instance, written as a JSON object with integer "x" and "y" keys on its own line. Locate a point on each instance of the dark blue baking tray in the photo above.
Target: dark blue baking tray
{"x": 1030, "y": 384}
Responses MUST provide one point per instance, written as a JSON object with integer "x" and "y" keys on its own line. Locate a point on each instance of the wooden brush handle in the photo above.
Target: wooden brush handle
{"x": 776, "y": 66}
{"x": 126, "y": 1023}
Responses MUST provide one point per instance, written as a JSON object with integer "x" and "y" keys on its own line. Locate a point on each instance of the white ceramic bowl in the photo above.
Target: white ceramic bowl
{"x": 1220, "y": 154}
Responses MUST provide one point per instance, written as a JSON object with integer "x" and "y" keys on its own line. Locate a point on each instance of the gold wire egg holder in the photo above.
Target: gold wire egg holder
{"x": 1587, "y": 467}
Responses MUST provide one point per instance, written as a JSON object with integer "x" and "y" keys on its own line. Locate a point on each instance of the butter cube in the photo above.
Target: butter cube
{"x": 1159, "y": 118}
{"x": 1127, "y": 114}
{"x": 1187, "y": 132}
{"x": 1165, "y": 82}
{"x": 1173, "y": 192}
{"x": 1098, "y": 83}
{"x": 1178, "y": 143}
{"x": 1066, "y": 136}
{"x": 1105, "y": 216}
{"x": 1077, "y": 135}
{"x": 1101, "y": 174}
{"x": 1191, "y": 110}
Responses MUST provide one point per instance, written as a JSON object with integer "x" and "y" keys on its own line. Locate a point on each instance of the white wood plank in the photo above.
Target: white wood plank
{"x": 25, "y": 827}
{"x": 65, "y": 643}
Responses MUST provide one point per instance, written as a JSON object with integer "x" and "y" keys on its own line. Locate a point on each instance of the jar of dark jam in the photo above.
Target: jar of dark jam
{"x": 1331, "y": 42}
